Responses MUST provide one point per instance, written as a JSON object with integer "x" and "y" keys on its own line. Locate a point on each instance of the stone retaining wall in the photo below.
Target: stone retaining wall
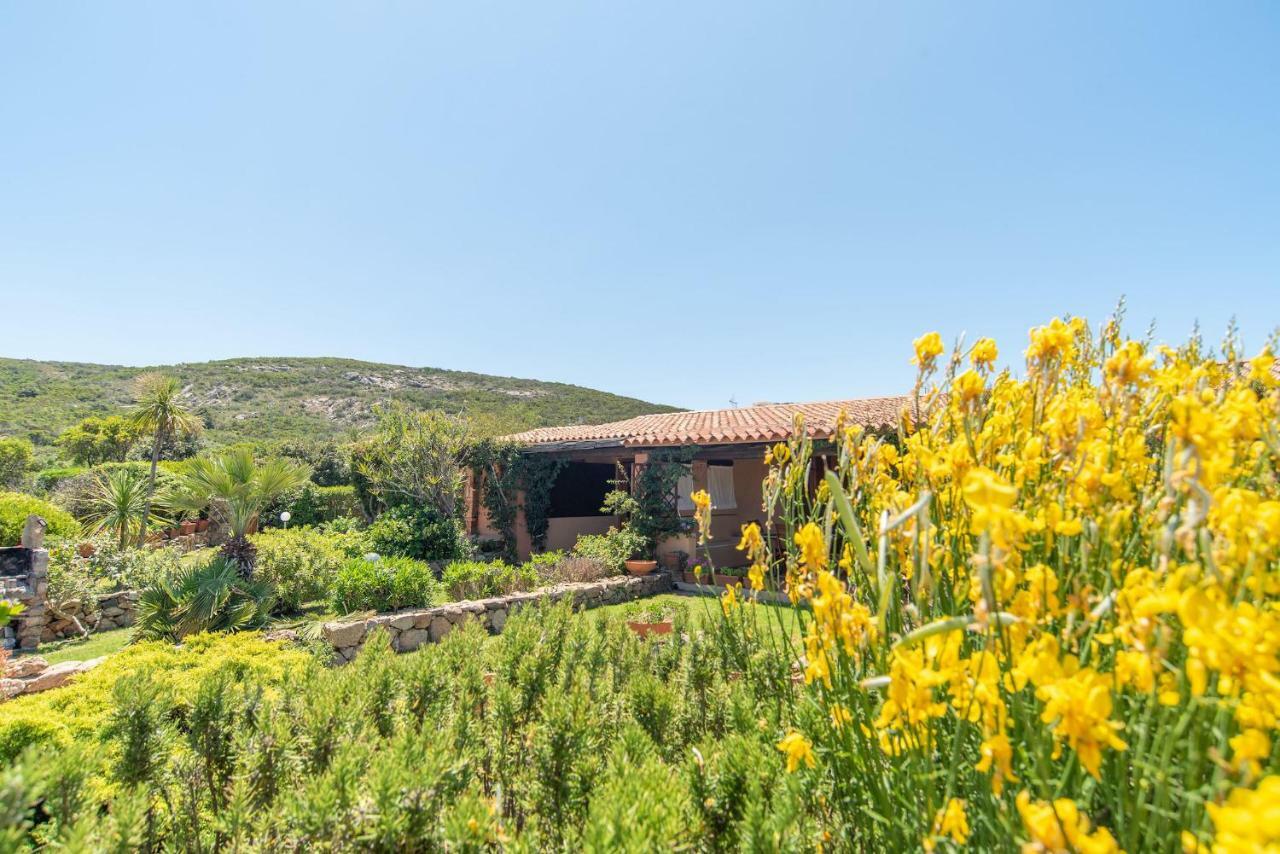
{"x": 114, "y": 611}
{"x": 412, "y": 628}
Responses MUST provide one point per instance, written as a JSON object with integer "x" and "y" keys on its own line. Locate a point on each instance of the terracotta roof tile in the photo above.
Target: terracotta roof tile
{"x": 765, "y": 423}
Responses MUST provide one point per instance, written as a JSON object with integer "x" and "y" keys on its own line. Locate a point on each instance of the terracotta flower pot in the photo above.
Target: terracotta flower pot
{"x": 646, "y": 629}
{"x": 187, "y": 528}
{"x": 696, "y": 578}
{"x": 726, "y": 580}
{"x": 640, "y": 567}
{"x": 202, "y": 525}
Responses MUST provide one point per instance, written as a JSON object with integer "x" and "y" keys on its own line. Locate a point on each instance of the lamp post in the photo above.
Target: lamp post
{"x": 285, "y": 517}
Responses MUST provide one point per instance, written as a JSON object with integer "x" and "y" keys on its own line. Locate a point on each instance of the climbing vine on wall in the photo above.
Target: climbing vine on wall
{"x": 504, "y": 472}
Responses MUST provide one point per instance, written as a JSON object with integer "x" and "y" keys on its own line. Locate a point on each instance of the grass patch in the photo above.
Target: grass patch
{"x": 102, "y": 643}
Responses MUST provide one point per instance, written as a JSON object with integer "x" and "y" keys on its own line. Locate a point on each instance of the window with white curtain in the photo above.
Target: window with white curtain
{"x": 719, "y": 486}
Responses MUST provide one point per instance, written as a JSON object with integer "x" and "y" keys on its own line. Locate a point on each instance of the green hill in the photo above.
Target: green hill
{"x": 286, "y": 399}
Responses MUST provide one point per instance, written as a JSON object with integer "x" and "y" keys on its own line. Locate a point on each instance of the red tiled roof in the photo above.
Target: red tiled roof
{"x": 765, "y": 423}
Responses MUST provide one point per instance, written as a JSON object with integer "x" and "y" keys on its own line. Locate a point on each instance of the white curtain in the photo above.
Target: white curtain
{"x": 719, "y": 485}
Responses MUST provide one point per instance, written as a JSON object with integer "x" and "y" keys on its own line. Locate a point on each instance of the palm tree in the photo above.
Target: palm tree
{"x": 120, "y": 503}
{"x": 158, "y": 410}
{"x": 236, "y": 488}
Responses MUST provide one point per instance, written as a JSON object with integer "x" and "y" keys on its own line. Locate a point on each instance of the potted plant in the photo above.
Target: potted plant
{"x": 202, "y": 525}
{"x": 648, "y": 511}
{"x": 647, "y": 619}
{"x": 696, "y": 575}
{"x": 729, "y": 576}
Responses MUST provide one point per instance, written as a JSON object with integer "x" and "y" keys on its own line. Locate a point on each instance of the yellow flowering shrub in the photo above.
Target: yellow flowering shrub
{"x": 1045, "y": 611}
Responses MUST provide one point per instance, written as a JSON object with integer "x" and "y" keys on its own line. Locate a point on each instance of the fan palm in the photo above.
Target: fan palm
{"x": 158, "y": 410}
{"x": 119, "y": 503}
{"x": 235, "y": 487}
{"x": 214, "y": 597}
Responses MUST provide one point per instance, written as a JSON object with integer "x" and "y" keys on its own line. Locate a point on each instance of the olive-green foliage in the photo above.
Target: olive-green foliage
{"x": 74, "y": 488}
{"x": 300, "y": 563}
{"x": 15, "y": 507}
{"x": 316, "y": 504}
{"x": 80, "y": 714}
{"x": 533, "y": 741}
{"x": 99, "y": 440}
{"x": 611, "y": 549}
{"x": 473, "y": 579}
{"x": 15, "y": 462}
{"x": 108, "y": 568}
{"x": 415, "y": 532}
{"x": 275, "y": 399}
{"x": 385, "y": 584}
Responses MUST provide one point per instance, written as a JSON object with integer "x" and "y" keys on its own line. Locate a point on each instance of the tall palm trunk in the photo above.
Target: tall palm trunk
{"x": 151, "y": 488}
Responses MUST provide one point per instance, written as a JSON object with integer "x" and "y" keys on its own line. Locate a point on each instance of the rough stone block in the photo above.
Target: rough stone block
{"x": 412, "y": 639}
{"x": 21, "y": 668}
{"x": 497, "y": 619}
{"x": 344, "y": 634}
{"x": 439, "y": 628}
{"x": 402, "y": 622}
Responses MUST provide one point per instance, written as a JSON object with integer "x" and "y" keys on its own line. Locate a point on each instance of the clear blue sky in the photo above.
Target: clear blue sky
{"x": 678, "y": 201}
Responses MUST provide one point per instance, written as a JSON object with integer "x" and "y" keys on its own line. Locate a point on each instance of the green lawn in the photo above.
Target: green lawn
{"x": 779, "y": 617}
{"x": 102, "y": 643}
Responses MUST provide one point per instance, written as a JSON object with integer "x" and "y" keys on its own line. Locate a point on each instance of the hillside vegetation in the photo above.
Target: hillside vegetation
{"x": 283, "y": 399}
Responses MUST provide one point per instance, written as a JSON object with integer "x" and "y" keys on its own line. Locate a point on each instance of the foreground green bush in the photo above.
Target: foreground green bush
{"x": 301, "y": 563}
{"x": 82, "y": 712}
{"x": 567, "y": 733}
{"x": 15, "y": 507}
{"x": 386, "y": 584}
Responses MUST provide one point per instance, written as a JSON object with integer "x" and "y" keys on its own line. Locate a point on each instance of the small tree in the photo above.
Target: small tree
{"x": 236, "y": 488}
{"x": 99, "y": 440}
{"x": 414, "y": 458}
{"x": 118, "y": 504}
{"x": 158, "y": 410}
{"x": 15, "y": 462}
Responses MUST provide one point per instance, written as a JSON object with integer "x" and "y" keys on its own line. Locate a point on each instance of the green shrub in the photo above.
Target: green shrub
{"x": 316, "y": 504}
{"x": 611, "y": 549}
{"x": 213, "y": 597}
{"x": 15, "y": 463}
{"x": 82, "y": 711}
{"x": 385, "y": 584}
{"x": 76, "y": 492}
{"x": 108, "y": 567}
{"x": 418, "y": 533}
{"x": 15, "y": 507}
{"x": 49, "y": 479}
{"x": 300, "y": 563}
{"x": 479, "y": 579}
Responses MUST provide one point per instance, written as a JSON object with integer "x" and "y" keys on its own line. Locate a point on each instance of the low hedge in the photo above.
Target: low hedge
{"x": 386, "y": 584}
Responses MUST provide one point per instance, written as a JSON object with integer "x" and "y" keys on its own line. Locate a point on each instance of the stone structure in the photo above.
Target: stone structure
{"x": 32, "y": 674}
{"x": 114, "y": 611}
{"x": 24, "y": 578}
{"x": 411, "y": 628}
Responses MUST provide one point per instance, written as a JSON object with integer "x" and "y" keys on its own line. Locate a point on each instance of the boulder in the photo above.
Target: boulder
{"x": 55, "y": 676}
{"x": 11, "y": 688}
{"x": 21, "y": 668}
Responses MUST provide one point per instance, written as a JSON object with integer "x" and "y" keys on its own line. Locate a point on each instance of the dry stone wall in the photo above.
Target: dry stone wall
{"x": 113, "y": 611}
{"x": 411, "y": 628}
